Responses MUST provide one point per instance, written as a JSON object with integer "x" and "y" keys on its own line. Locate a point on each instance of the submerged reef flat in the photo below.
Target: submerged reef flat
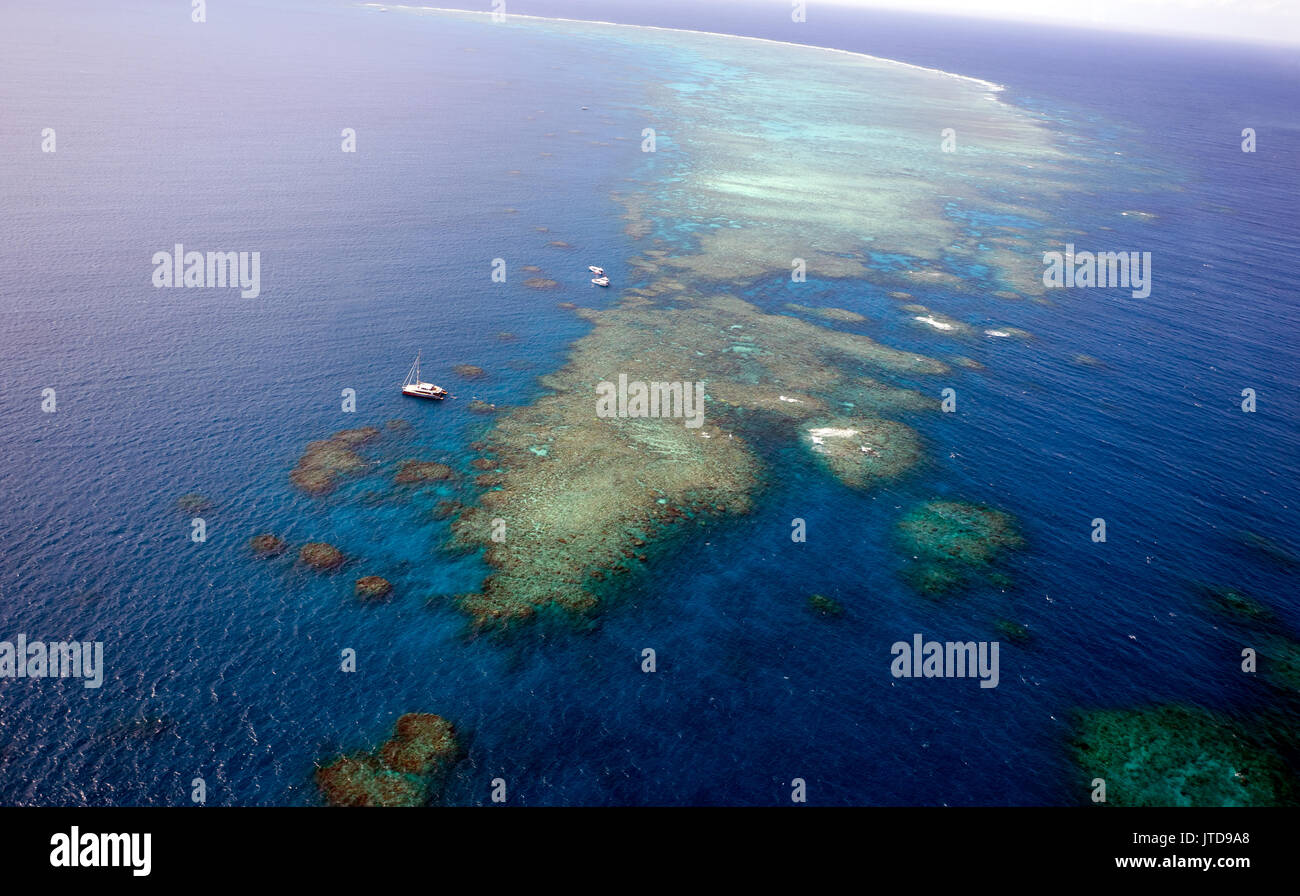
{"x": 862, "y": 451}
{"x": 841, "y": 184}
{"x": 842, "y": 315}
{"x": 406, "y": 770}
{"x": 952, "y": 544}
{"x": 865, "y": 394}
{"x": 415, "y": 472}
{"x": 1179, "y": 756}
{"x": 325, "y": 461}
{"x": 1234, "y": 602}
{"x": 578, "y": 494}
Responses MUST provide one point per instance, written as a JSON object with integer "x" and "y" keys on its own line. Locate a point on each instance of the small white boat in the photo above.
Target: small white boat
{"x": 601, "y": 281}
{"x": 599, "y": 272}
{"x": 413, "y": 386}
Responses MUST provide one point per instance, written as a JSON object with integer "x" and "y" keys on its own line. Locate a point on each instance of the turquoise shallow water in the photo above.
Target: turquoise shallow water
{"x": 228, "y": 138}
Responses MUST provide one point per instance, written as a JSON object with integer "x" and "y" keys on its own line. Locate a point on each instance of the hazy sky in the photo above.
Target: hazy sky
{"x": 1268, "y": 20}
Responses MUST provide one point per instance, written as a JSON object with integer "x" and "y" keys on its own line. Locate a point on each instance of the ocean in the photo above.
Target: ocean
{"x": 473, "y": 144}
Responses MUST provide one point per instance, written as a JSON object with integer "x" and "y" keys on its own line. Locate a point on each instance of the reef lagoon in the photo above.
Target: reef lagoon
{"x": 401, "y": 603}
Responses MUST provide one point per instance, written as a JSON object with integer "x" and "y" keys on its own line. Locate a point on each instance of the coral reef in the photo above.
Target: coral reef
{"x": 862, "y": 451}
{"x": 1015, "y": 632}
{"x": 445, "y": 510}
{"x": 421, "y": 744}
{"x": 952, "y": 544}
{"x": 577, "y": 490}
{"x": 267, "y": 545}
{"x": 842, "y": 315}
{"x": 414, "y": 472}
{"x": 193, "y": 504}
{"x": 824, "y": 606}
{"x": 325, "y": 461}
{"x": 469, "y": 371}
{"x": 406, "y": 770}
{"x": 363, "y": 780}
{"x": 1178, "y": 755}
{"x": 321, "y": 556}
{"x": 373, "y": 588}
{"x": 1234, "y": 602}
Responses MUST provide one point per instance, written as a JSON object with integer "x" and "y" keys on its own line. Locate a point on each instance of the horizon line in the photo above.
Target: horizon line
{"x": 989, "y": 86}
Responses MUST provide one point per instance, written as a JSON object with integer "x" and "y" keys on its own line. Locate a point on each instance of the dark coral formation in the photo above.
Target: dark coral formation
{"x": 321, "y": 556}
{"x": 325, "y": 461}
{"x": 373, "y": 588}
{"x": 445, "y": 510}
{"x": 421, "y": 744}
{"x": 363, "y": 780}
{"x": 469, "y": 371}
{"x": 1235, "y": 603}
{"x": 952, "y": 544}
{"x": 406, "y": 770}
{"x": 414, "y": 472}
{"x": 478, "y": 406}
{"x": 540, "y": 283}
{"x": 193, "y": 504}
{"x": 822, "y": 605}
{"x": 1015, "y": 632}
{"x": 1178, "y": 755}
{"x": 355, "y": 438}
{"x": 267, "y": 545}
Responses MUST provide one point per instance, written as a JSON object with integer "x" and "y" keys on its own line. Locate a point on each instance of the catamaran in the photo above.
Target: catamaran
{"x": 413, "y": 386}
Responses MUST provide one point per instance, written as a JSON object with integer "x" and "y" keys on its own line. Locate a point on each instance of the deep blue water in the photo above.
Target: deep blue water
{"x": 228, "y": 137}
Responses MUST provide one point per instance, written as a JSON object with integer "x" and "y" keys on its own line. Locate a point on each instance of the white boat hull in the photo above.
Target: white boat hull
{"x": 424, "y": 390}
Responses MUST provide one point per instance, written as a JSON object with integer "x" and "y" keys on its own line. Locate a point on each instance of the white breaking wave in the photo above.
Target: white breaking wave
{"x": 937, "y": 324}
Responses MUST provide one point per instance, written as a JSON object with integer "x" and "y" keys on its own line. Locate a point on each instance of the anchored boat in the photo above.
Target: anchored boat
{"x": 416, "y": 388}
